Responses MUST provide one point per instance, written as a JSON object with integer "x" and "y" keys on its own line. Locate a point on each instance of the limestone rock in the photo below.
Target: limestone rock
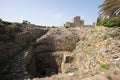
{"x": 57, "y": 40}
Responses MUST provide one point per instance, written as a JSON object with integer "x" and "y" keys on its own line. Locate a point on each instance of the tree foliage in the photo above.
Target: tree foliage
{"x": 110, "y": 22}
{"x": 110, "y": 8}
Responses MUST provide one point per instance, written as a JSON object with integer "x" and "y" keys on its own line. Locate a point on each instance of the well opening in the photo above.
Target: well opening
{"x": 46, "y": 65}
{"x": 42, "y": 65}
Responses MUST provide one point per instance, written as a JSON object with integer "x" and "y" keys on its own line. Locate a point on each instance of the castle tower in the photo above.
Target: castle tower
{"x": 76, "y": 22}
{"x": 76, "y": 19}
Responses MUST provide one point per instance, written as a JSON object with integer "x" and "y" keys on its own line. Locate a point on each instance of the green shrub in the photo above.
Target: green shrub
{"x": 104, "y": 66}
{"x": 0, "y": 20}
{"x": 110, "y": 22}
{"x": 1, "y": 24}
{"x": 7, "y": 23}
{"x": 4, "y": 37}
{"x": 25, "y": 22}
{"x": 98, "y": 21}
{"x": 67, "y": 26}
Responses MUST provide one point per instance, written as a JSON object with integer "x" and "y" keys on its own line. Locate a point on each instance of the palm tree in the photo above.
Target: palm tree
{"x": 110, "y": 8}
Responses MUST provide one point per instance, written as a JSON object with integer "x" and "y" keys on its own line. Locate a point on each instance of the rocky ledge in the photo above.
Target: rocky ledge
{"x": 75, "y": 54}
{"x": 69, "y": 54}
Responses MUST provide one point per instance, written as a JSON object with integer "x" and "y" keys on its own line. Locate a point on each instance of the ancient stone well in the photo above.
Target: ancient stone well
{"x": 43, "y": 64}
{"x": 47, "y": 63}
{"x": 48, "y": 54}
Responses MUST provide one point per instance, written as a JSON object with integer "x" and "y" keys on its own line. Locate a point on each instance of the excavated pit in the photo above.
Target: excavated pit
{"x": 47, "y": 56}
{"x": 42, "y": 65}
{"x": 46, "y": 65}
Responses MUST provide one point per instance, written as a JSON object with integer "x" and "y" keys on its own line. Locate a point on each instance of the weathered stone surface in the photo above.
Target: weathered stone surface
{"x": 75, "y": 54}
{"x": 19, "y": 41}
{"x": 95, "y": 54}
{"x": 44, "y": 51}
{"x": 57, "y": 40}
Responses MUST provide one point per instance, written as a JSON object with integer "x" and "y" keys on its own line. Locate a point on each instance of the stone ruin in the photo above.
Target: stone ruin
{"x": 76, "y": 22}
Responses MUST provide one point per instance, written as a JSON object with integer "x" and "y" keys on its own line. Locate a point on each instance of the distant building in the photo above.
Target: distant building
{"x": 93, "y": 25}
{"x": 76, "y": 22}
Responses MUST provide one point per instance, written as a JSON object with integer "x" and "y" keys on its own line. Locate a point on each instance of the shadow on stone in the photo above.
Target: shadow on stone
{"x": 42, "y": 61}
{"x": 46, "y": 65}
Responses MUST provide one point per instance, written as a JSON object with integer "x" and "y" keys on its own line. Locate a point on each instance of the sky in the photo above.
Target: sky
{"x": 49, "y": 12}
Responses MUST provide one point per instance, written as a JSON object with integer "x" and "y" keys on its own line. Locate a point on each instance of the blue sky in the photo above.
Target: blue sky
{"x": 49, "y": 12}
